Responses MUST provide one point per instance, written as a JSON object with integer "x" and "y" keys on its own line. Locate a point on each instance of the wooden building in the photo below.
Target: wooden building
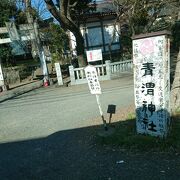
{"x": 99, "y": 29}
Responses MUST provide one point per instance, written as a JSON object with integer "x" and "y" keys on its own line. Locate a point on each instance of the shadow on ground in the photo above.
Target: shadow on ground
{"x": 76, "y": 155}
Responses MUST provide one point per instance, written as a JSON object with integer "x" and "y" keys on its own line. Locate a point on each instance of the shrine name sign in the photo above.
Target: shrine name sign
{"x": 151, "y": 59}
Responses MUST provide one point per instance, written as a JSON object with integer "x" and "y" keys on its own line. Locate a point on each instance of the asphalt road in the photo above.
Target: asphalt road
{"x": 47, "y": 134}
{"x": 47, "y": 110}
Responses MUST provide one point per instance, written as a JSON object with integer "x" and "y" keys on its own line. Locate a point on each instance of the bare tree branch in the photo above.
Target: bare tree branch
{"x": 64, "y": 17}
{"x": 52, "y": 9}
{"x": 72, "y": 5}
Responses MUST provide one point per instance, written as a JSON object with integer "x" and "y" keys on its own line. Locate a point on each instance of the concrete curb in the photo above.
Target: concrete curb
{"x": 20, "y": 90}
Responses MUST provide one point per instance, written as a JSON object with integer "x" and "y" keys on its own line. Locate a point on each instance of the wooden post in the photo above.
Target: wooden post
{"x": 101, "y": 112}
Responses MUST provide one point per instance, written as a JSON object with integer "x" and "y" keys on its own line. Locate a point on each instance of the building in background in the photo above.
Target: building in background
{"x": 99, "y": 29}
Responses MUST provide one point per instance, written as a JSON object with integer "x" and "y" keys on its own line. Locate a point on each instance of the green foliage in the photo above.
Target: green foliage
{"x": 5, "y": 53}
{"x": 55, "y": 57}
{"x": 126, "y": 137}
{"x": 21, "y": 17}
{"x": 7, "y": 10}
{"x": 178, "y": 110}
{"x": 131, "y": 116}
{"x": 57, "y": 40}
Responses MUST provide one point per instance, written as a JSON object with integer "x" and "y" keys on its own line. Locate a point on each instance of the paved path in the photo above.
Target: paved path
{"x": 44, "y": 111}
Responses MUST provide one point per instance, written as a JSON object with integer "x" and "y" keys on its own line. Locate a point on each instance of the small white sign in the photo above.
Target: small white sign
{"x": 58, "y": 73}
{"x": 92, "y": 78}
{"x": 94, "y": 55}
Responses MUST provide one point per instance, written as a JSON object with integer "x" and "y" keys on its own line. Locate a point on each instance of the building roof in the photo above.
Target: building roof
{"x": 105, "y": 7}
{"x": 101, "y": 9}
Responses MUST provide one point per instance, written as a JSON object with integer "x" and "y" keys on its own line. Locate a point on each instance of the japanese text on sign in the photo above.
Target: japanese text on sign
{"x": 151, "y": 78}
{"x": 92, "y": 78}
{"x": 94, "y": 55}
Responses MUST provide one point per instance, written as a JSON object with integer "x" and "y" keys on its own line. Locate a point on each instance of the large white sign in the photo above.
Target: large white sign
{"x": 92, "y": 78}
{"x": 94, "y": 55}
{"x": 152, "y": 84}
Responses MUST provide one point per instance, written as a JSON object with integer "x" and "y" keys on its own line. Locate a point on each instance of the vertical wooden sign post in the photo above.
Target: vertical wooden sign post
{"x": 151, "y": 59}
{"x": 94, "y": 87}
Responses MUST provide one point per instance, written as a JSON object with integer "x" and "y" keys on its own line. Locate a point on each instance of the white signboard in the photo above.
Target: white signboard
{"x": 94, "y": 55}
{"x": 152, "y": 84}
{"x": 58, "y": 73}
{"x": 92, "y": 78}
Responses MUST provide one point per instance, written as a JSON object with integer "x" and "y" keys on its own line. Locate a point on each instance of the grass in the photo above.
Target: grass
{"x": 131, "y": 116}
{"x": 126, "y": 137}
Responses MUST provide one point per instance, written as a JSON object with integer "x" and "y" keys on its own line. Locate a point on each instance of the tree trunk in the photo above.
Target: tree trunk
{"x": 175, "y": 91}
{"x": 68, "y": 23}
{"x": 80, "y": 49}
{"x": 64, "y": 18}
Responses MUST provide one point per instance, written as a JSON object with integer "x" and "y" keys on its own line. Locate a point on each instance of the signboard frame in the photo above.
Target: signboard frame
{"x": 94, "y": 55}
{"x": 93, "y": 81}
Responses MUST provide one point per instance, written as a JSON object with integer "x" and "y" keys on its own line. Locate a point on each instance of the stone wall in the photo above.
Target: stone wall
{"x": 14, "y": 75}
{"x": 11, "y": 75}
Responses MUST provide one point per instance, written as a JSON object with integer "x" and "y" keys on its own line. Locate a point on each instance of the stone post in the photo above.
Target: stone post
{"x": 108, "y": 69}
{"x": 59, "y": 74}
{"x": 2, "y": 84}
{"x": 151, "y": 59}
{"x": 72, "y": 77}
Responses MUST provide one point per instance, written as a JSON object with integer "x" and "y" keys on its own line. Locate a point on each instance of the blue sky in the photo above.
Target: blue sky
{"x": 44, "y": 13}
{"x": 41, "y": 6}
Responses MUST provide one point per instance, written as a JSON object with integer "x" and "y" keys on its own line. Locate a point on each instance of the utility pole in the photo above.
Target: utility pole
{"x": 36, "y": 42}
